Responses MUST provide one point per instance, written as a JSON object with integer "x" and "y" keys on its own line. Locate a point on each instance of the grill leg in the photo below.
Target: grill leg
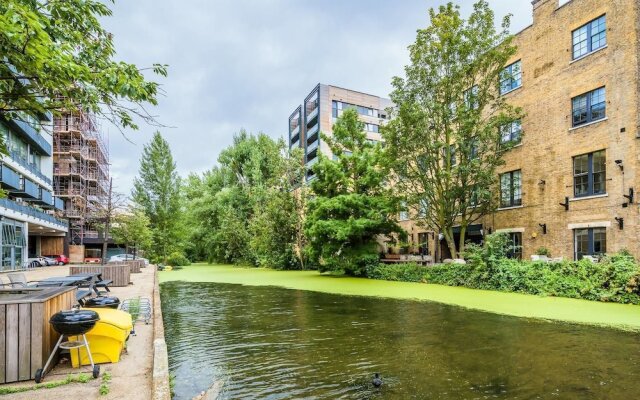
{"x": 53, "y": 353}
{"x": 86, "y": 345}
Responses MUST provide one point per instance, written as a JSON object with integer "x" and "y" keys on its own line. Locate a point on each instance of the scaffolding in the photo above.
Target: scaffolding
{"x": 80, "y": 172}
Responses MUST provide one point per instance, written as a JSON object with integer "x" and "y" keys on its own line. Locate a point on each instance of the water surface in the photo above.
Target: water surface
{"x": 274, "y": 343}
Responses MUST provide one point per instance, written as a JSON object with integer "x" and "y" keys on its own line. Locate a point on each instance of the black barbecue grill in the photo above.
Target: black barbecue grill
{"x": 72, "y": 323}
{"x": 102, "y": 302}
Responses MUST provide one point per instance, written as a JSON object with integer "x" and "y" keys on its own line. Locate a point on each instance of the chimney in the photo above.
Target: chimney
{"x": 543, "y": 7}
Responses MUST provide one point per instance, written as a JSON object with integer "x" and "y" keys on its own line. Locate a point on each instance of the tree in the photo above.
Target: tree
{"x": 56, "y": 56}
{"x": 157, "y": 192}
{"x": 352, "y": 205}
{"x": 444, "y": 143}
{"x": 245, "y": 209}
{"x": 131, "y": 229}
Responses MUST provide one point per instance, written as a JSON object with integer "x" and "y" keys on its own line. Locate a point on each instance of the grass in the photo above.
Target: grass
{"x": 618, "y": 316}
{"x": 81, "y": 378}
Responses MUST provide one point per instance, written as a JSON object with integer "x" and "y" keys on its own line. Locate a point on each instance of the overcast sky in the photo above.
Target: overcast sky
{"x": 248, "y": 63}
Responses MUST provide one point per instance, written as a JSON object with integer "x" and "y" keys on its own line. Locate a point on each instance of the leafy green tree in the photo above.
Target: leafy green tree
{"x": 56, "y": 56}
{"x": 351, "y": 204}
{"x": 444, "y": 142}
{"x": 157, "y": 192}
{"x": 132, "y": 229}
{"x": 244, "y": 210}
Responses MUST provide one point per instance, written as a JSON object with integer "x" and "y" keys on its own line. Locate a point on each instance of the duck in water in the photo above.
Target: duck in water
{"x": 377, "y": 382}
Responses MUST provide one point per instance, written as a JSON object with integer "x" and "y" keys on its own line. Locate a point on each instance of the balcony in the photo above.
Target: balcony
{"x": 28, "y": 189}
{"x": 313, "y": 146}
{"x": 311, "y": 115}
{"x": 15, "y": 156}
{"x": 312, "y": 134}
{"x": 294, "y": 138}
{"x": 295, "y": 131}
{"x": 45, "y": 198}
{"x": 58, "y": 204}
{"x": 32, "y": 135}
{"x": 9, "y": 178}
{"x": 34, "y": 213}
{"x": 312, "y": 158}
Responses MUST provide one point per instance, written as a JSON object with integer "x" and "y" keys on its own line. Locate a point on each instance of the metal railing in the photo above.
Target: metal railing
{"x": 15, "y": 156}
{"x": 33, "y": 212}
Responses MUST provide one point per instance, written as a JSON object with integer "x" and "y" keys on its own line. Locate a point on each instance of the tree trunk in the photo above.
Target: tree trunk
{"x": 451, "y": 243}
{"x": 463, "y": 235}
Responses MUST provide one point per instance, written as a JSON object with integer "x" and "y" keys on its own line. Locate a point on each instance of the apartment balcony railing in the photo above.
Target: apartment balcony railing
{"x": 45, "y": 198}
{"x": 312, "y": 134}
{"x": 15, "y": 156}
{"x": 32, "y": 135}
{"x": 313, "y": 146}
{"x": 9, "y": 178}
{"x": 33, "y": 212}
{"x": 312, "y": 114}
{"x": 58, "y": 204}
{"x": 28, "y": 189}
{"x": 295, "y": 131}
{"x": 312, "y": 160}
{"x": 295, "y": 138}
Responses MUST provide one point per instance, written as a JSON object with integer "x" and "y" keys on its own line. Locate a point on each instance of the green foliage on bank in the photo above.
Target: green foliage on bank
{"x": 177, "y": 259}
{"x": 616, "y": 278}
{"x": 248, "y": 209}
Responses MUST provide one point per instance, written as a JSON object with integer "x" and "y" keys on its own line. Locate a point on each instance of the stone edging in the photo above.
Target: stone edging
{"x": 160, "y": 377}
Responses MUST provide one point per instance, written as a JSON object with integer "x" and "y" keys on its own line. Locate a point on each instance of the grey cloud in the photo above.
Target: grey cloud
{"x": 246, "y": 64}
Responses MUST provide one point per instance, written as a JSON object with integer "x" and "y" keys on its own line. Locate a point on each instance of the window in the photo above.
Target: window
{"x": 404, "y": 213}
{"x": 589, "y": 107}
{"x": 515, "y": 246}
{"x": 589, "y": 174}
{"x": 423, "y": 209}
{"x": 511, "y": 77}
{"x": 471, "y": 97}
{"x": 590, "y": 242}
{"x": 511, "y": 189}
{"x": 511, "y": 132}
{"x": 590, "y": 37}
{"x": 371, "y": 128}
{"x": 337, "y": 107}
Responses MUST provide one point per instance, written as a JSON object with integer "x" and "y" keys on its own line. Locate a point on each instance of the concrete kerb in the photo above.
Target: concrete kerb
{"x": 160, "y": 384}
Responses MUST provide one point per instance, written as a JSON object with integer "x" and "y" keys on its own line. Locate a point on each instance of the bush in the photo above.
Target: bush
{"x": 543, "y": 251}
{"x": 177, "y": 259}
{"x": 397, "y": 272}
{"x": 616, "y": 278}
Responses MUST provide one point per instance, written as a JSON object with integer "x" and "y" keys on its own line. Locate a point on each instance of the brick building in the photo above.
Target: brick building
{"x": 569, "y": 184}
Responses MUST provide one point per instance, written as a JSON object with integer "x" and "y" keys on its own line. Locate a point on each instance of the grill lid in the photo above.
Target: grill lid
{"x": 102, "y": 301}
{"x": 74, "y": 317}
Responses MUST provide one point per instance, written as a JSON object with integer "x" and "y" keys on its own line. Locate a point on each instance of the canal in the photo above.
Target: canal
{"x": 274, "y": 343}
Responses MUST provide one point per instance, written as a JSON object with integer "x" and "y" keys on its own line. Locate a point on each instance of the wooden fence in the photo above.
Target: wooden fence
{"x": 119, "y": 273}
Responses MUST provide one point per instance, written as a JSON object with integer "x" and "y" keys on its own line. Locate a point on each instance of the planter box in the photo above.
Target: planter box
{"x": 26, "y": 337}
{"x": 119, "y": 273}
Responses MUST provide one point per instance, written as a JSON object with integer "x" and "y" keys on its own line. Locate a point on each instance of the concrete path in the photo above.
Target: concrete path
{"x": 131, "y": 377}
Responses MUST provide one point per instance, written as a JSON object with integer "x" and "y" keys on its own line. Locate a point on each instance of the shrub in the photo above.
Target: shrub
{"x": 409, "y": 272}
{"x": 616, "y": 278}
{"x": 177, "y": 259}
{"x": 543, "y": 251}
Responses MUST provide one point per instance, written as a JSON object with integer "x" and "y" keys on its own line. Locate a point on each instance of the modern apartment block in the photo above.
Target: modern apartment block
{"x": 319, "y": 111}
{"x": 570, "y": 185}
{"x": 28, "y": 221}
{"x": 81, "y": 179}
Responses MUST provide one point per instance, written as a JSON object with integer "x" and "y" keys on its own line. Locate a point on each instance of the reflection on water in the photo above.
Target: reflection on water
{"x": 273, "y": 343}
